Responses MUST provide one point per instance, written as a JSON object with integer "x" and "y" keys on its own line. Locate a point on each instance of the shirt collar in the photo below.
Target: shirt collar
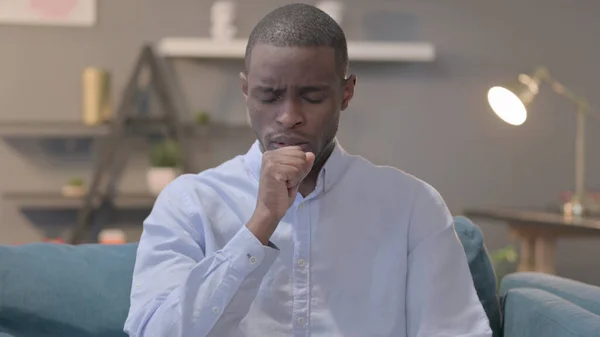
{"x": 330, "y": 173}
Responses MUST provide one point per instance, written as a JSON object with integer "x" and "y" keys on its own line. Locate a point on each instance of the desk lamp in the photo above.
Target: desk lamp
{"x": 510, "y": 104}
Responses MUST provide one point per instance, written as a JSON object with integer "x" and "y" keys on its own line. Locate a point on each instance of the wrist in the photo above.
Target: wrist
{"x": 262, "y": 224}
{"x": 264, "y": 216}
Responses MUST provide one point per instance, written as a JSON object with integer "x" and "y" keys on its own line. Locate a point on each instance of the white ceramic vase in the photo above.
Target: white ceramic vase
{"x": 158, "y": 178}
{"x": 222, "y": 17}
{"x": 73, "y": 191}
{"x": 334, "y": 8}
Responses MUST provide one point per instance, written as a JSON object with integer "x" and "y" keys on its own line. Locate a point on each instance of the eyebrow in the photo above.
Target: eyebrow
{"x": 313, "y": 88}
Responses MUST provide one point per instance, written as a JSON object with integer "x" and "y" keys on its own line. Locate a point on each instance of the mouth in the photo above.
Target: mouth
{"x": 281, "y": 143}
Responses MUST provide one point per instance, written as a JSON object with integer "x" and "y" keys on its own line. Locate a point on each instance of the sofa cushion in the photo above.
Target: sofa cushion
{"x": 535, "y": 312}
{"x": 586, "y": 296}
{"x": 482, "y": 270}
{"x": 63, "y": 290}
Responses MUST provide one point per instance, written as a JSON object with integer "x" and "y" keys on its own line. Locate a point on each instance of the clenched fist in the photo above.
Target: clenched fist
{"x": 281, "y": 173}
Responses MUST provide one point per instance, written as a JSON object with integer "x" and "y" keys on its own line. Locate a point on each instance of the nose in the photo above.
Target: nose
{"x": 290, "y": 115}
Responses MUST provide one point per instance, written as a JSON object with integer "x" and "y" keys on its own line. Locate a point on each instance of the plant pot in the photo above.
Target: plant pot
{"x": 112, "y": 237}
{"x": 70, "y": 191}
{"x": 158, "y": 178}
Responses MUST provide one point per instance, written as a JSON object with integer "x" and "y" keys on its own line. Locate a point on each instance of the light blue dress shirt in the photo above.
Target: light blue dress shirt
{"x": 371, "y": 252}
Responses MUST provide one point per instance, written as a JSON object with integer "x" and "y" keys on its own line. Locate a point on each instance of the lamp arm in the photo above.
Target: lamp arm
{"x": 543, "y": 74}
{"x": 582, "y": 104}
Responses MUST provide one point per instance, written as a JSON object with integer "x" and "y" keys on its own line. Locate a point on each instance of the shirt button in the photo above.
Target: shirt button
{"x": 301, "y": 263}
{"x": 301, "y": 321}
{"x": 253, "y": 259}
{"x": 215, "y": 310}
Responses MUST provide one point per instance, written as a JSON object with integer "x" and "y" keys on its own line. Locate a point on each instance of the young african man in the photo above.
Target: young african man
{"x": 297, "y": 237}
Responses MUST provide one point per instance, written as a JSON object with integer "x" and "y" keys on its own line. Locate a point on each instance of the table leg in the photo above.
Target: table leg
{"x": 545, "y": 247}
{"x": 527, "y": 254}
{"x": 526, "y": 249}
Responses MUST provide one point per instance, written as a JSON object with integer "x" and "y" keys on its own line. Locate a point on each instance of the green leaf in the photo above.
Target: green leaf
{"x": 165, "y": 154}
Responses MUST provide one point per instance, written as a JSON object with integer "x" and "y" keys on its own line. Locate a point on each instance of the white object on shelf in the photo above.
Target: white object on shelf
{"x": 112, "y": 236}
{"x": 366, "y": 51}
{"x": 158, "y": 178}
{"x": 222, "y": 17}
{"x": 70, "y": 191}
{"x": 333, "y": 8}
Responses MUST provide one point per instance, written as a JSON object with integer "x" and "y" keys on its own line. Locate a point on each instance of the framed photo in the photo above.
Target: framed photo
{"x": 48, "y": 12}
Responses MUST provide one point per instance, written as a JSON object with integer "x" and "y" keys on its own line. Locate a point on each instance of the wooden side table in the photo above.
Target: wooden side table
{"x": 537, "y": 232}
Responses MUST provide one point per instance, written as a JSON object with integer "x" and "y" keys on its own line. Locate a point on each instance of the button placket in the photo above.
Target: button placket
{"x": 300, "y": 272}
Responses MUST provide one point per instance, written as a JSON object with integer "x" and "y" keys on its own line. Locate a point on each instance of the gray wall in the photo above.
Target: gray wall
{"x": 428, "y": 119}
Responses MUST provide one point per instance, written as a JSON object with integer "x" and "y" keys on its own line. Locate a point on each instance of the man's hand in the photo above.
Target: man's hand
{"x": 281, "y": 173}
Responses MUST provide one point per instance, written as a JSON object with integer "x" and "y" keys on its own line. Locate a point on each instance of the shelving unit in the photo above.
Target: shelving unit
{"x": 359, "y": 51}
{"x": 103, "y": 197}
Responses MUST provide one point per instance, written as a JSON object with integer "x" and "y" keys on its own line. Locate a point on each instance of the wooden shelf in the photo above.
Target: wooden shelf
{"x": 50, "y": 129}
{"x": 71, "y": 129}
{"x": 363, "y": 51}
{"x": 56, "y": 201}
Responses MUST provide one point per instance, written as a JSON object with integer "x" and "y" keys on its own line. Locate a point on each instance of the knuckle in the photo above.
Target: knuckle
{"x": 268, "y": 165}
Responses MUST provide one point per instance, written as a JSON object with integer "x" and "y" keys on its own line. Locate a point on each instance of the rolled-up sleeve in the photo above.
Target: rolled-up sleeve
{"x": 441, "y": 297}
{"x": 177, "y": 290}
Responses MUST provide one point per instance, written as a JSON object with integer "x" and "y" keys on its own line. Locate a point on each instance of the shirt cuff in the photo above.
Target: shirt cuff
{"x": 246, "y": 252}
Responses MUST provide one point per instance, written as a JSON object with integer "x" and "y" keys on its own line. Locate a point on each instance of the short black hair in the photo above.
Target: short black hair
{"x": 300, "y": 25}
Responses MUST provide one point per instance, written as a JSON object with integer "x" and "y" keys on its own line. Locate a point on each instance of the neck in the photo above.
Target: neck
{"x": 310, "y": 182}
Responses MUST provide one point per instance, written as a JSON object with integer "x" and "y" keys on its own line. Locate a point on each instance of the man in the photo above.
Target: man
{"x": 296, "y": 237}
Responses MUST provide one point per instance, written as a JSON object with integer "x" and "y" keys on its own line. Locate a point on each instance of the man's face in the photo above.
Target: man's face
{"x": 294, "y": 96}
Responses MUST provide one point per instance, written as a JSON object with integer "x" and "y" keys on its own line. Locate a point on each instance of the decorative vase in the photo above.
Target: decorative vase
{"x": 222, "y": 17}
{"x": 97, "y": 107}
{"x": 333, "y": 8}
{"x": 158, "y": 178}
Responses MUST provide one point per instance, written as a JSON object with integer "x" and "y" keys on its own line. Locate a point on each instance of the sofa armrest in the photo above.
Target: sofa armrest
{"x": 535, "y": 312}
{"x": 581, "y": 294}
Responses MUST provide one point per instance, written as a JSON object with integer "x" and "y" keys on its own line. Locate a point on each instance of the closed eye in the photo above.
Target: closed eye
{"x": 313, "y": 100}
{"x": 270, "y": 99}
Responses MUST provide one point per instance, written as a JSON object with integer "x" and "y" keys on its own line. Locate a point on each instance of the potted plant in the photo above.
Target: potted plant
{"x": 202, "y": 117}
{"x": 164, "y": 161}
{"x": 504, "y": 261}
{"x": 75, "y": 188}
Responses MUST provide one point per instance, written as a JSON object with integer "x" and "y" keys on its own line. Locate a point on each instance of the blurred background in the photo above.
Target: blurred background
{"x": 65, "y": 68}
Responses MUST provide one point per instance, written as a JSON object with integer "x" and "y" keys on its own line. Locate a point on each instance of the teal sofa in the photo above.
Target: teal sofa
{"x": 57, "y": 290}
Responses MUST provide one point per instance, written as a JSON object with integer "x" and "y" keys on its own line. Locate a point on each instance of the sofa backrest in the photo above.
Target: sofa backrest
{"x": 62, "y": 290}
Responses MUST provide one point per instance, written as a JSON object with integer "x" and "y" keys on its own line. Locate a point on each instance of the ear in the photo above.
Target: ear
{"x": 348, "y": 91}
{"x": 244, "y": 79}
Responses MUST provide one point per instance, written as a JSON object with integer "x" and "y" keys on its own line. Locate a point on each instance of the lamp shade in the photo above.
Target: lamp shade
{"x": 510, "y": 102}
